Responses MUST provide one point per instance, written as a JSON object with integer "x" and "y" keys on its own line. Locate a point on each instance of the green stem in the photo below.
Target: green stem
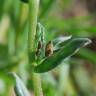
{"x": 37, "y": 84}
{"x": 33, "y": 14}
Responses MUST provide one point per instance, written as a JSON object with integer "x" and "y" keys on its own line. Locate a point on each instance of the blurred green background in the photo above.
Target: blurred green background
{"x": 75, "y": 77}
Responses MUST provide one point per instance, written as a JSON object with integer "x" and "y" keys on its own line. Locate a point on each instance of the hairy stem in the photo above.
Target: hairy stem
{"x": 33, "y": 14}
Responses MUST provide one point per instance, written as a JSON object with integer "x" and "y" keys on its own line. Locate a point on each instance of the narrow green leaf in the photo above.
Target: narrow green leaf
{"x": 68, "y": 50}
{"x": 20, "y": 88}
{"x": 60, "y": 42}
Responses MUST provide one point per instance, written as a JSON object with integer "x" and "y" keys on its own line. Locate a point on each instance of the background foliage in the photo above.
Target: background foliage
{"x": 76, "y": 76}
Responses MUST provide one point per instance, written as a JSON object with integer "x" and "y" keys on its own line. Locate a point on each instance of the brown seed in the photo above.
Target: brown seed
{"x": 49, "y": 49}
{"x": 39, "y": 47}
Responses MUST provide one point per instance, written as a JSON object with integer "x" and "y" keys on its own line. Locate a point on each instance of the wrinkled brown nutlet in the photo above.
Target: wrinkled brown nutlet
{"x": 39, "y": 47}
{"x": 49, "y": 49}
